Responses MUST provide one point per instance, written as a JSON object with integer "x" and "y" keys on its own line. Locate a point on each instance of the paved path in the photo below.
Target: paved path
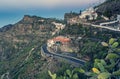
{"x": 109, "y": 28}
{"x": 104, "y": 27}
{"x": 105, "y": 23}
{"x": 68, "y": 58}
{"x": 5, "y": 75}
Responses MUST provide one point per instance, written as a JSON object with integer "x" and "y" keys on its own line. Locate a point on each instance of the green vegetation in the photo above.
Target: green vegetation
{"x": 20, "y": 48}
{"x": 109, "y": 8}
{"x": 106, "y": 68}
{"x": 16, "y": 44}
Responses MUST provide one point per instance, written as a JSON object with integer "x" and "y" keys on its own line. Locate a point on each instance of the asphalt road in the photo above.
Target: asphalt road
{"x": 69, "y": 58}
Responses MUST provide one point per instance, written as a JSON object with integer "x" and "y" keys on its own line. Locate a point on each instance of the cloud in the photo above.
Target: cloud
{"x": 44, "y": 3}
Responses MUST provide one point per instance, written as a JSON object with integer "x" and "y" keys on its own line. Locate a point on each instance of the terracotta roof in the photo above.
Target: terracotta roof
{"x": 61, "y": 39}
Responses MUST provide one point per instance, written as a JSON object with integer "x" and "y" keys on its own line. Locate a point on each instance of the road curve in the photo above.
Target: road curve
{"x": 104, "y": 27}
{"x": 69, "y": 58}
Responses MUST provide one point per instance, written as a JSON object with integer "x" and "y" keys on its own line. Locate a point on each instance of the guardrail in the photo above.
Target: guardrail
{"x": 70, "y": 59}
{"x": 105, "y": 27}
{"x": 105, "y": 23}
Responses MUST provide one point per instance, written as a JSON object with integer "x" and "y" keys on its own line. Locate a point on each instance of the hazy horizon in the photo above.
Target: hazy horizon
{"x": 13, "y": 10}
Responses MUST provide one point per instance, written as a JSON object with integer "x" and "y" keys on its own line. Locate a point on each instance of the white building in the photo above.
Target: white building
{"x": 59, "y": 25}
{"x": 50, "y": 43}
{"x": 89, "y": 13}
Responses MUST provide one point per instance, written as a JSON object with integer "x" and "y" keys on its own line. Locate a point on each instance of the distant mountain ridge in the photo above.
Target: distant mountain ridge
{"x": 35, "y": 21}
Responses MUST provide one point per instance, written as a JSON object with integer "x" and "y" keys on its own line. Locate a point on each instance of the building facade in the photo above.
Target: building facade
{"x": 89, "y": 14}
{"x": 60, "y": 39}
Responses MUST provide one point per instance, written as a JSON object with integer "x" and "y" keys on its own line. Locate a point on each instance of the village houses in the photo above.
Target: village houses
{"x": 89, "y": 14}
{"x": 60, "y": 39}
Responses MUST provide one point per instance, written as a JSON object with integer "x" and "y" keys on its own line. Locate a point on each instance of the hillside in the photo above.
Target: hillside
{"x": 109, "y": 8}
{"x": 20, "y": 47}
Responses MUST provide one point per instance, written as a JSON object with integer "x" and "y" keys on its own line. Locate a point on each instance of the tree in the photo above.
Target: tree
{"x": 107, "y": 68}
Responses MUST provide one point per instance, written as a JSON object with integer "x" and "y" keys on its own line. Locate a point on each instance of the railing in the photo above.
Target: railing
{"x": 105, "y": 23}
{"x": 104, "y": 27}
{"x": 45, "y": 53}
{"x": 113, "y": 29}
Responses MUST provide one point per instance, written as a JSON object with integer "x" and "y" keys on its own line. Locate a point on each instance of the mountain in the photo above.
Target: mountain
{"x": 20, "y": 44}
{"x": 20, "y": 47}
{"x": 5, "y": 28}
{"x": 109, "y": 8}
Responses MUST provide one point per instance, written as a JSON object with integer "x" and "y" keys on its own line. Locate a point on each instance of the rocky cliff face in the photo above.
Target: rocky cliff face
{"x": 17, "y": 42}
{"x": 30, "y": 28}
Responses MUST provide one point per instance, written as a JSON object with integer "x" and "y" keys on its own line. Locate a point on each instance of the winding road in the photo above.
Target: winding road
{"x": 113, "y": 29}
{"x": 5, "y": 76}
{"x": 68, "y": 58}
{"x": 104, "y": 27}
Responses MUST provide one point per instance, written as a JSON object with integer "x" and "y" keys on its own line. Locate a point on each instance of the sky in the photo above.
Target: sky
{"x": 11, "y": 11}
